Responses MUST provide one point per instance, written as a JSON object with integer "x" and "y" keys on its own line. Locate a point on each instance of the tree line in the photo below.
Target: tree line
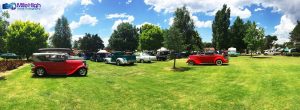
{"x": 25, "y": 37}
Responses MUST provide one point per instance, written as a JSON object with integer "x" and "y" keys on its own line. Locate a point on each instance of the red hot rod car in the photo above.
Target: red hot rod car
{"x": 208, "y": 58}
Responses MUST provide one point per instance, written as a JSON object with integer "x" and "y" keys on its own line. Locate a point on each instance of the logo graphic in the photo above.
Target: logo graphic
{"x": 22, "y": 6}
{"x": 9, "y": 6}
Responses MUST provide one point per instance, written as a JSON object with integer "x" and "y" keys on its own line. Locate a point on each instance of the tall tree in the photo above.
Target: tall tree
{"x": 91, "y": 43}
{"x": 24, "y": 38}
{"x": 254, "y": 37}
{"x": 174, "y": 41}
{"x": 151, "y": 37}
{"x": 269, "y": 41}
{"x": 237, "y": 34}
{"x": 185, "y": 25}
{"x": 124, "y": 38}
{"x": 295, "y": 35}
{"x": 220, "y": 27}
{"x": 3, "y": 28}
{"x": 62, "y": 36}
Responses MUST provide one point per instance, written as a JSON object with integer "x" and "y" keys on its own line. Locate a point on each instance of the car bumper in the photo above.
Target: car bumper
{"x": 129, "y": 62}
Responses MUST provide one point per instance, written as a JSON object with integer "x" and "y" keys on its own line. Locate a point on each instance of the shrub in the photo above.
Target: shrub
{"x": 6, "y": 65}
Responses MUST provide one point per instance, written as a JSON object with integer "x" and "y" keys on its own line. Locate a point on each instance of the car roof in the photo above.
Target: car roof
{"x": 40, "y": 54}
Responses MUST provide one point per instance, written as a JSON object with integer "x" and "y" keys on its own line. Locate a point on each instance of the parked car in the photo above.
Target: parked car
{"x": 162, "y": 55}
{"x": 99, "y": 57}
{"x": 208, "y": 58}
{"x": 120, "y": 58}
{"x": 232, "y": 52}
{"x": 144, "y": 57}
{"x": 57, "y": 64}
{"x": 10, "y": 56}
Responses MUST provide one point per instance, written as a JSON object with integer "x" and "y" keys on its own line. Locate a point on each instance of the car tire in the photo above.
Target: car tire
{"x": 82, "y": 72}
{"x": 191, "y": 63}
{"x": 40, "y": 72}
{"x": 106, "y": 62}
{"x": 142, "y": 61}
{"x": 219, "y": 62}
{"x": 118, "y": 62}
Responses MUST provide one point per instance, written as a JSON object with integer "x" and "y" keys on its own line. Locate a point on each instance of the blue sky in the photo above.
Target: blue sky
{"x": 102, "y": 16}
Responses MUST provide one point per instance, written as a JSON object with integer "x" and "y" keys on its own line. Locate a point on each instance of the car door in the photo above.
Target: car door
{"x": 57, "y": 65}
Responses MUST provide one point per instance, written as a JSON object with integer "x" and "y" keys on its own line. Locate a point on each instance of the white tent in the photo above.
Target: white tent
{"x": 162, "y": 49}
{"x": 102, "y": 51}
{"x": 231, "y": 49}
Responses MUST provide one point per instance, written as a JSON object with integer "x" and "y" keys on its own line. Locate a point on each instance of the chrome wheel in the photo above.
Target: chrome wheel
{"x": 82, "y": 72}
{"x": 219, "y": 62}
{"x": 190, "y": 63}
{"x": 40, "y": 72}
{"x": 118, "y": 63}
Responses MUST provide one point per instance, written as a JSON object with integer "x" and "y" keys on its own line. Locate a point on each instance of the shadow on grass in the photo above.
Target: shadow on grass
{"x": 2, "y": 78}
{"x": 210, "y": 65}
{"x": 180, "y": 69}
{"x": 57, "y": 76}
{"x": 261, "y": 57}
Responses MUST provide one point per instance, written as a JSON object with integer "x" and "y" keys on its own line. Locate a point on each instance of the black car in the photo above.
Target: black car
{"x": 10, "y": 56}
{"x": 162, "y": 55}
{"x": 99, "y": 57}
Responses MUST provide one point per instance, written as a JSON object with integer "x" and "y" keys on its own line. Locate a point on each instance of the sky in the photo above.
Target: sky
{"x": 277, "y": 17}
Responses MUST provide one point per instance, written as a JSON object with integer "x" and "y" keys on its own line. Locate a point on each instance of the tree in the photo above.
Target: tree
{"x": 151, "y": 37}
{"x": 62, "y": 36}
{"x": 254, "y": 37}
{"x": 3, "y": 28}
{"x": 76, "y": 44}
{"x": 207, "y": 45}
{"x": 220, "y": 27}
{"x": 197, "y": 41}
{"x": 269, "y": 41}
{"x": 174, "y": 41}
{"x": 237, "y": 34}
{"x": 24, "y": 38}
{"x": 91, "y": 43}
{"x": 295, "y": 34}
{"x": 124, "y": 38}
{"x": 185, "y": 25}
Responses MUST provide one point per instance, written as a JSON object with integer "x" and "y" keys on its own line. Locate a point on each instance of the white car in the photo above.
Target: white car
{"x": 144, "y": 57}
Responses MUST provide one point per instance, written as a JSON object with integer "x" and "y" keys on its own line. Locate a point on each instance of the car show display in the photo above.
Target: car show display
{"x": 208, "y": 58}
{"x": 120, "y": 58}
{"x": 144, "y": 57}
{"x": 57, "y": 64}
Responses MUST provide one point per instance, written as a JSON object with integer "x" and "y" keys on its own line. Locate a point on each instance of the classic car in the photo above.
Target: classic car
{"x": 99, "y": 56}
{"x": 144, "y": 57}
{"x": 162, "y": 55}
{"x": 120, "y": 58}
{"x": 208, "y": 58}
{"x": 57, "y": 64}
{"x": 10, "y": 56}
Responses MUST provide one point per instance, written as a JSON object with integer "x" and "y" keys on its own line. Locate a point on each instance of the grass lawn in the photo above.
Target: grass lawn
{"x": 270, "y": 83}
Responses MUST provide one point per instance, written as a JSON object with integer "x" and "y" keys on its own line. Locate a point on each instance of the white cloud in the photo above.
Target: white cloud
{"x": 171, "y": 20}
{"x": 140, "y": 25}
{"x": 128, "y": 2}
{"x": 86, "y": 2}
{"x": 85, "y": 19}
{"x": 283, "y": 29}
{"x": 197, "y": 22}
{"x": 258, "y": 9}
{"x": 47, "y": 16}
{"x": 121, "y": 17}
{"x": 201, "y": 24}
{"x": 99, "y": 1}
{"x": 209, "y": 7}
{"x": 76, "y": 37}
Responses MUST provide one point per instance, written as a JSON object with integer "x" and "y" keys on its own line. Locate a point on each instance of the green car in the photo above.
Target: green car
{"x": 10, "y": 56}
{"x": 120, "y": 58}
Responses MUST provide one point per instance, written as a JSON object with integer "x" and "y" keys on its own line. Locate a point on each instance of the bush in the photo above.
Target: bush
{"x": 6, "y": 65}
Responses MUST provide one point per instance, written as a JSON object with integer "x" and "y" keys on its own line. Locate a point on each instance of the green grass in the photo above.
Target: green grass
{"x": 271, "y": 83}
